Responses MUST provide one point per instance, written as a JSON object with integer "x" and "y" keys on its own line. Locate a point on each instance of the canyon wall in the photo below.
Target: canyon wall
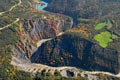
{"x": 73, "y": 50}
{"x": 33, "y": 30}
{"x": 69, "y": 49}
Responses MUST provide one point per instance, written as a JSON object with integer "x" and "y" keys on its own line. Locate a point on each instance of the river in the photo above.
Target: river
{"x": 42, "y": 5}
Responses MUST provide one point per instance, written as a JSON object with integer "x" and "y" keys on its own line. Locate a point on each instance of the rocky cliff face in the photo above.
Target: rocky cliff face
{"x": 73, "y": 50}
{"x": 70, "y": 49}
{"x": 33, "y": 30}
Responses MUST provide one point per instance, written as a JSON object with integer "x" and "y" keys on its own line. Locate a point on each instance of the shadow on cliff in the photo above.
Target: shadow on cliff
{"x": 72, "y": 50}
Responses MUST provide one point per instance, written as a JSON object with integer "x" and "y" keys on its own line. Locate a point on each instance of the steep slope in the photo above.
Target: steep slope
{"x": 71, "y": 49}
{"x": 87, "y": 9}
{"x": 35, "y": 38}
{"x": 88, "y": 13}
{"x": 8, "y": 38}
{"x": 35, "y": 29}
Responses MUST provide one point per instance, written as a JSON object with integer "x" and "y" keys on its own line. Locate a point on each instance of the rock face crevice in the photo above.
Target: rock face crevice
{"x": 73, "y": 50}
{"x": 31, "y": 31}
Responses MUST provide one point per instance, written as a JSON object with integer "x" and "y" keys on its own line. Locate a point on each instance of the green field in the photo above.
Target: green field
{"x": 100, "y": 26}
{"x": 103, "y": 38}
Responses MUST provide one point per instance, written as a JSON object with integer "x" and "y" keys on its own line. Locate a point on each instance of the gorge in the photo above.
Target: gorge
{"x": 56, "y": 38}
{"x": 59, "y": 50}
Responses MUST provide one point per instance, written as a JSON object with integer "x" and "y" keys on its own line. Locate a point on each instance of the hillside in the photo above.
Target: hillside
{"x": 5, "y": 2}
{"x": 68, "y": 40}
{"x": 87, "y": 14}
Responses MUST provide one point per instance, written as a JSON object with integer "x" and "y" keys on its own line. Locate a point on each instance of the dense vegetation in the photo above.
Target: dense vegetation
{"x": 5, "y": 6}
{"x": 8, "y": 38}
{"x": 7, "y": 71}
{"x": 85, "y": 9}
{"x": 87, "y": 13}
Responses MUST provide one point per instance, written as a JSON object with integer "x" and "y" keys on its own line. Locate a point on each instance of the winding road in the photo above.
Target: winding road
{"x": 17, "y": 19}
{"x": 39, "y": 43}
{"x": 1, "y": 13}
{"x": 34, "y": 68}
